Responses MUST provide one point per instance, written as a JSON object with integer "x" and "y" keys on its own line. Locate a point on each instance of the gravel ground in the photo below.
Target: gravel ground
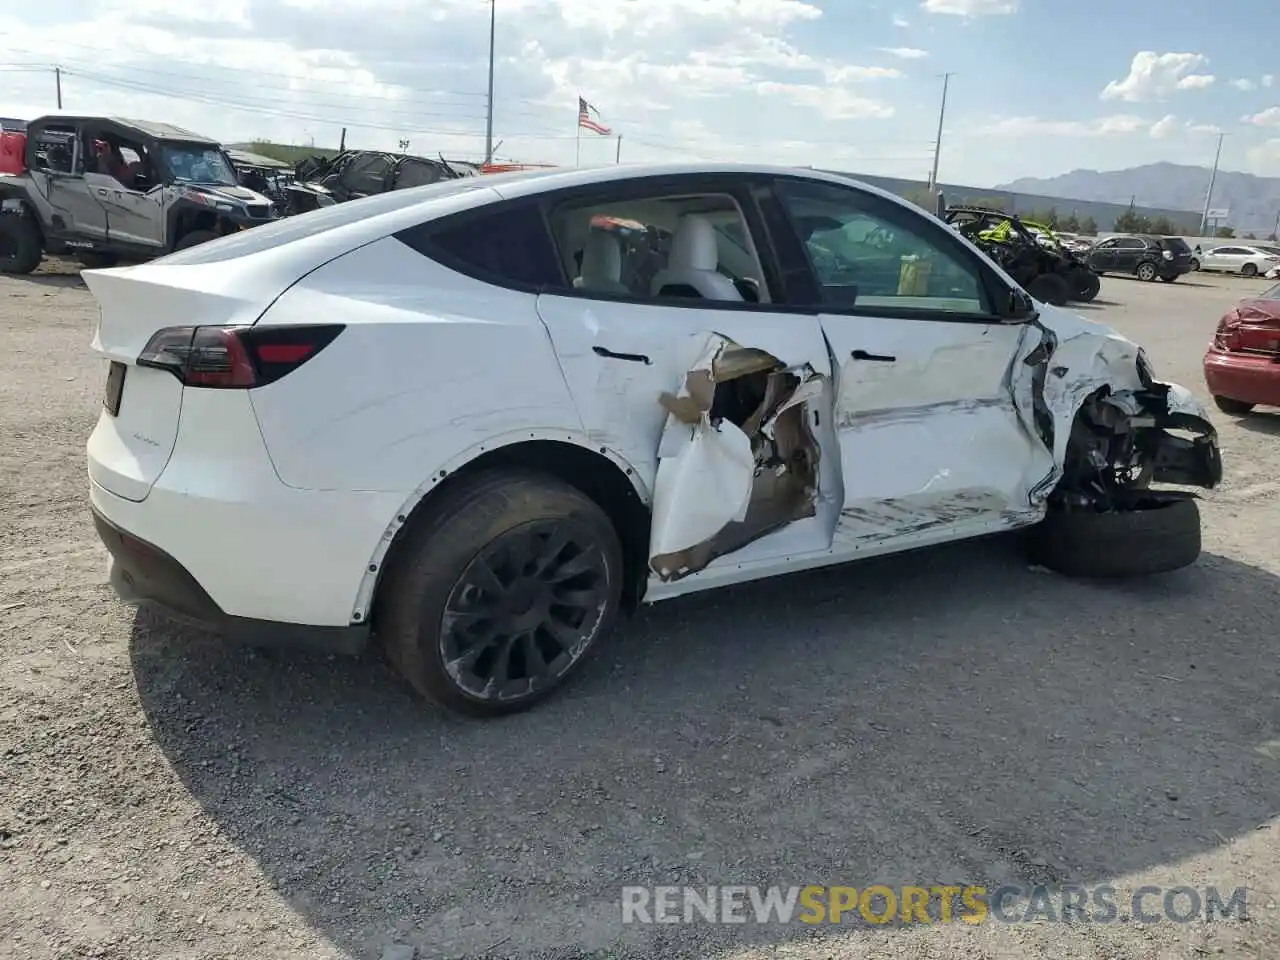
{"x": 951, "y": 716}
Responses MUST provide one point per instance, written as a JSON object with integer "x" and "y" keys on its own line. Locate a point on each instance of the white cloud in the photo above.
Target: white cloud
{"x": 900, "y": 21}
{"x": 1264, "y": 159}
{"x": 833, "y": 103}
{"x": 1267, "y": 118}
{"x": 244, "y": 70}
{"x": 1019, "y": 127}
{"x": 1268, "y": 79}
{"x": 906, "y": 53}
{"x": 1153, "y": 76}
{"x": 1244, "y": 84}
{"x": 1166, "y": 127}
{"x": 970, "y": 8}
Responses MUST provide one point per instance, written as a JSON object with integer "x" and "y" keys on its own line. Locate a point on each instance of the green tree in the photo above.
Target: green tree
{"x": 1089, "y": 226}
{"x": 1162, "y": 226}
{"x": 1224, "y": 233}
{"x": 1132, "y": 222}
{"x": 1070, "y": 223}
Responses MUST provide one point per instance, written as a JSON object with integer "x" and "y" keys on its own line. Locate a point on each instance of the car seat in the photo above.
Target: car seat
{"x": 601, "y": 267}
{"x": 691, "y": 267}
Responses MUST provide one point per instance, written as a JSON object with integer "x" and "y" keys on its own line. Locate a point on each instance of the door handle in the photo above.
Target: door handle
{"x": 633, "y": 357}
{"x": 874, "y": 357}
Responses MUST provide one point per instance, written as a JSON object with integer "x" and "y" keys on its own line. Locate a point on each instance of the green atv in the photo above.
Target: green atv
{"x": 1047, "y": 271}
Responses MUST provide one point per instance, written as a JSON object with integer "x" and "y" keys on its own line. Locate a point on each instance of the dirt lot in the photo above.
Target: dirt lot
{"x": 948, "y": 717}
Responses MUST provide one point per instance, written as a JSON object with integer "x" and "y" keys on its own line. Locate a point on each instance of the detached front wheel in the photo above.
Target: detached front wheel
{"x": 500, "y": 592}
{"x": 1152, "y": 532}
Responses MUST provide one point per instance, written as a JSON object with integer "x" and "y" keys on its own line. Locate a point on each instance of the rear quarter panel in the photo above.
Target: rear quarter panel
{"x": 432, "y": 364}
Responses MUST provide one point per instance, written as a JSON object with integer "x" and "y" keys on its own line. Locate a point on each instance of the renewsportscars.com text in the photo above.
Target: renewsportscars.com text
{"x": 972, "y": 904}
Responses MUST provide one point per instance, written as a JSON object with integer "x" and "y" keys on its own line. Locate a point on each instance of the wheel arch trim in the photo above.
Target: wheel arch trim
{"x": 362, "y": 607}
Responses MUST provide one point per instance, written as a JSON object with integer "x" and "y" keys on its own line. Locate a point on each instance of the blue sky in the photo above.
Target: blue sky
{"x": 1039, "y": 87}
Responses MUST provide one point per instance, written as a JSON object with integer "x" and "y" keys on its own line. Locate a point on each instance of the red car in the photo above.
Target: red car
{"x": 1242, "y": 367}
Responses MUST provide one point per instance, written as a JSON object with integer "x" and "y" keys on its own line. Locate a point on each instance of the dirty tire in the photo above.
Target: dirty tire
{"x": 21, "y": 246}
{"x": 1085, "y": 284}
{"x": 1159, "y": 533}
{"x": 194, "y": 238}
{"x": 1050, "y": 288}
{"x": 1249, "y": 270}
{"x": 435, "y": 559}
{"x": 1167, "y": 279}
{"x": 1147, "y": 271}
{"x": 1235, "y": 407}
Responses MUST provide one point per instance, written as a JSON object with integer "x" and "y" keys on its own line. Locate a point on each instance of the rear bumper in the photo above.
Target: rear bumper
{"x": 141, "y": 573}
{"x": 1250, "y": 379}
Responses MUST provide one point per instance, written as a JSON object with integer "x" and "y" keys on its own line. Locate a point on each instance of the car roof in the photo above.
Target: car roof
{"x": 149, "y": 128}
{"x": 331, "y": 231}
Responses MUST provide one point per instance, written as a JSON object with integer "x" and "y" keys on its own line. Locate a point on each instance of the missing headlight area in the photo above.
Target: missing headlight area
{"x": 1125, "y": 441}
{"x": 738, "y": 458}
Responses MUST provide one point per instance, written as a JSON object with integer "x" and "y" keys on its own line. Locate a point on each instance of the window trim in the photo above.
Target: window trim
{"x": 990, "y": 284}
{"x": 737, "y": 186}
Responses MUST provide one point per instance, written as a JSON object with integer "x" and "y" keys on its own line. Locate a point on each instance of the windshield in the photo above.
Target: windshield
{"x": 192, "y": 163}
{"x": 1272, "y": 294}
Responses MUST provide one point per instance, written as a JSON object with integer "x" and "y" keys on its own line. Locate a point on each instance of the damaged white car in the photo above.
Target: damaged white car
{"x": 475, "y": 420}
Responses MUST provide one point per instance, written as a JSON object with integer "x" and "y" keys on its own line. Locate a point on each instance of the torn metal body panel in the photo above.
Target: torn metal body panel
{"x": 1109, "y": 422}
{"x": 738, "y": 460}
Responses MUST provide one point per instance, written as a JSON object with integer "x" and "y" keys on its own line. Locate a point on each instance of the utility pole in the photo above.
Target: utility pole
{"x": 57, "y": 79}
{"x": 488, "y": 129}
{"x": 618, "y": 157}
{"x": 1208, "y": 197}
{"x": 342, "y": 140}
{"x": 937, "y": 146}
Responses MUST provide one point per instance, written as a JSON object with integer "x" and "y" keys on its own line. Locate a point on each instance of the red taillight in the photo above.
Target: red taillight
{"x": 1227, "y": 336}
{"x": 234, "y": 357}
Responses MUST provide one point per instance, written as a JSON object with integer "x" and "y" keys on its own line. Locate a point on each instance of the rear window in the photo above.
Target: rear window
{"x": 1176, "y": 244}
{"x": 508, "y": 245}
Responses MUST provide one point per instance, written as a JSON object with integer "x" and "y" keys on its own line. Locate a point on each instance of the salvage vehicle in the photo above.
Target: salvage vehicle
{"x": 464, "y": 422}
{"x": 1147, "y": 258}
{"x": 1242, "y": 365}
{"x": 1246, "y": 260}
{"x": 1048, "y": 274}
{"x": 1085, "y": 284}
{"x": 320, "y": 181}
{"x": 103, "y": 188}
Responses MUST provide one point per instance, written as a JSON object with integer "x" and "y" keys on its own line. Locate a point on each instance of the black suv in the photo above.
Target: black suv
{"x": 1144, "y": 257}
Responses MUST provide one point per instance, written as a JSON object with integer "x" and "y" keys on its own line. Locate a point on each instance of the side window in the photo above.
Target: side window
{"x": 869, "y": 254}
{"x": 1108, "y": 244}
{"x": 56, "y": 150}
{"x": 683, "y": 246}
{"x": 505, "y": 245}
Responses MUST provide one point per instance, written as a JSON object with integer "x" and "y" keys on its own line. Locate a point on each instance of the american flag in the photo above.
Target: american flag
{"x": 585, "y": 110}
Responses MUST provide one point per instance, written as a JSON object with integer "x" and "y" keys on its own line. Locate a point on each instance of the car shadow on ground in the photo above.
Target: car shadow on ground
{"x": 51, "y": 279}
{"x": 1266, "y": 422}
{"x": 939, "y": 717}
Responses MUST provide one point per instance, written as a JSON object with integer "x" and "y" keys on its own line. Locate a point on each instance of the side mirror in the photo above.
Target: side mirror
{"x": 1020, "y": 305}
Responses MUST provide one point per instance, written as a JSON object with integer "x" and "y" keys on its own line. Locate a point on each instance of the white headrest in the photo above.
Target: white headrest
{"x": 694, "y": 245}
{"x": 601, "y": 258}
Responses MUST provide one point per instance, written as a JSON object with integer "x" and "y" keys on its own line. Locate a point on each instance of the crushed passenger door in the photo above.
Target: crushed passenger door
{"x": 739, "y": 457}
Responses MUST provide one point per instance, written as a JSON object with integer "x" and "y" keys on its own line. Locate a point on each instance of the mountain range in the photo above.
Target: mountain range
{"x": 1253, "y": 202}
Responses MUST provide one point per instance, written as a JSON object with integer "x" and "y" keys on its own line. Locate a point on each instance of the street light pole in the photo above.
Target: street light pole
{"x": 937, "y": 145}
{"x": 488, "y": 129}
{"x": 1208, "y": 197}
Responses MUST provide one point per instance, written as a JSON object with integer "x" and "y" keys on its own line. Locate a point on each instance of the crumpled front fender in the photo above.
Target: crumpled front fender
{"x": 1074, "y": 361}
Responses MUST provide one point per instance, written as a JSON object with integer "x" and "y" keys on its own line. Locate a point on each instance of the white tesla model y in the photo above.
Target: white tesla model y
{"x": 477, "y": 419}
